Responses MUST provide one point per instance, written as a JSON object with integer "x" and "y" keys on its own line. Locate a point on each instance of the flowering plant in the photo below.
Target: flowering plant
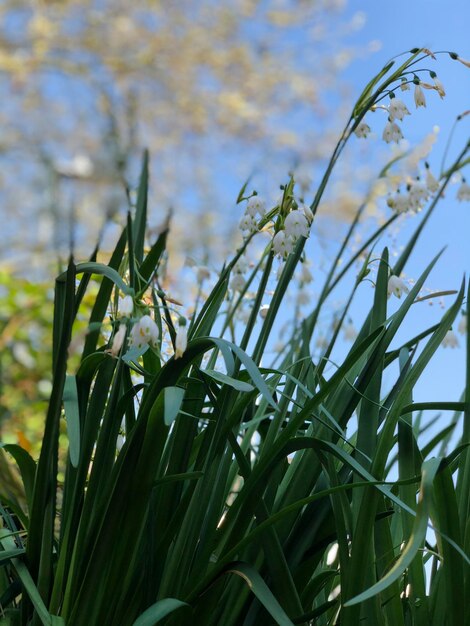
{"x": 203, "y": 485}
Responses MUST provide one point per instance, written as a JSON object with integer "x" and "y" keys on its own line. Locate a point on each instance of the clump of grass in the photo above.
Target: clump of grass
{"x": 206, "y": 487}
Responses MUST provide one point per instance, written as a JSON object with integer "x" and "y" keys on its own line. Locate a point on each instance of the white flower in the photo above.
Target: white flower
{"x": 296, "y": 225}
{"x": 306, "y": 275}
{"x": 397, "y": 109}
{"x": 418, "y": 193}
{"x": 263, "y": 310}
{"x": 450, "y": 340}
{"x": 420, "y": 100}
{"x": 238, "y": 282}
{"x": 125, "y": 306}
{"x": 463, "y": 192}
{"x": 397, "y": 286}
{"x": 431, "y": 182}
{"x": 404, "y": 86}
{"x": 255, "y": 206}
{"x": 463, "y": 61}
{"x": 400, "y": 203}
{"x": 462, "y": 327}
{"x": 242, "y": 265}
{"x": 118, "y": 340}
{"x": 248, "y": 223}
{"x": 144, "y": 332}
{"x": 392, "y": 132}
{"x": 136, "y": 340}
{"x": 349, "y": 332}
{"x": 282, "y": 245}
{"x": 439, "y": 86}
{"x": 181, "y": 342}
{"x": 362, "y": 130}
{"x": 307, "y": 212}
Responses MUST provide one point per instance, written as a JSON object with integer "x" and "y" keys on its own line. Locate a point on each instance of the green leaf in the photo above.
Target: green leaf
{"x": 153, "y": 257}
{"x": 239, "y": 385}
{"x": 28, "y": 584}
{"x": 134, "y": 353}
{"x": 102, "y": 270}
{"x": 72, "y": 416}
{"x": 261, "y": 591}
{"x": 173, "y": 400}
{"x": 416, "y": 540}
{"x": 6, "y": 555}
{"x": 158, "y": 611}
{"x": 254, "y": 373}
{"x": 242, "y": 191}
{"x": 140, "y": 219}
{"x": 368, "y": 88}
{"x": 27, "y": 468}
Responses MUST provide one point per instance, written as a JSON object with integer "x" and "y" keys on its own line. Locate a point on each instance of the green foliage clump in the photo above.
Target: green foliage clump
{"x": 210, "y": 488}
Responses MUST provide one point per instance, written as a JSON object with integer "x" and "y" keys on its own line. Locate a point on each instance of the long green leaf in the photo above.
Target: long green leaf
{"x": 72, "y": 416}
{"x": 158, "y": 611}
{"x": 417, "y": 538}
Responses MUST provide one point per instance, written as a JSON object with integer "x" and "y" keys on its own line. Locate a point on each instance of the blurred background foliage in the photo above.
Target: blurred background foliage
{"x": 215, "y": 91}
{"x": 26, "y": 310}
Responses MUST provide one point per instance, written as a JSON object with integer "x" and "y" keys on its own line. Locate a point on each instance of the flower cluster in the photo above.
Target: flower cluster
{"x": 296, "y": 224}
{"x": 255, "y": 209}
{"x": 238, "y": 281}
{"x": 397, "y": 109}
{"x": 416, "y": 194}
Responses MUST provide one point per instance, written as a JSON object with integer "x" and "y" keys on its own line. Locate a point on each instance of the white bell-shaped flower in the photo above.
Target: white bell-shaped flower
{"x": 463, "y": 192}
{"x": 255, "y": 206}
{"x": 392, "y": 132}
{"x": 181, "y": 341}
{"x": 362, "y": 130}
{"x": 420, "y": 100}
{"x": 397, "y": 109}
{"x": 396, "y": 286}
{"x": 283, "y": 245}
{"x": 125, "y": 306}
{"x": 118, "y": 340}
{"x": 450, "y": 340}
{"x": 296, "y": 224}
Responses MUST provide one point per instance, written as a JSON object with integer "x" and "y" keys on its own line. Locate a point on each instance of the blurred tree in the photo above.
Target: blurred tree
{"x": 88, "y": 83}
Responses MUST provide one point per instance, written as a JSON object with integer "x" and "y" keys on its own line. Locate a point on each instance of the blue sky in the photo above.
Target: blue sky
{"x": 399, "y": 26}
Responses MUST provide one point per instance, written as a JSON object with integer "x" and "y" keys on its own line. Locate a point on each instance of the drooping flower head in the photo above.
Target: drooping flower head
{"x": 125, "y": 306}
{"x": 282, "y": 244}
{"x": 397, "y": 109}
{"x": 463, "y": 193}
{"x": 362, "y": 131}
{"x": 296, "y": 225}
{"x": 256, "y": 206}
{"x": 450, "y": 340}
{"x": 396, "y": 286}
{"x": 181, "y": 341}
{"x": 420, "y": 100}
{"x": 144, "y": 332}
{"x": 392, "y": 132}
{"x": 118, "y": 340}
